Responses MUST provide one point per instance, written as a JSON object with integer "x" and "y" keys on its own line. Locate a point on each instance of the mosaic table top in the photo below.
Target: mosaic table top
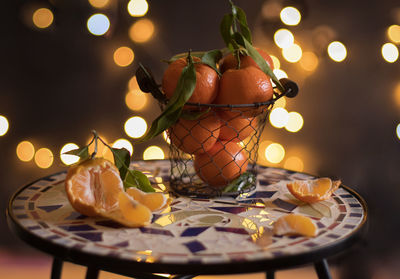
{"x": 190, "y": 230}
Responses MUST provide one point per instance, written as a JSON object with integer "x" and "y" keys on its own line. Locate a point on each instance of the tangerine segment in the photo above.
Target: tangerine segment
{"x": 313, "y": 190}
{"x": 93, "y": 185}
{"x": 236, "y": 128}
{"x": 294, "y": 224}
{"x": 207, "y": 81}
{"x": 154, "y": 201}
{"x": 230, "y": 61}
{"x": 195, "y": 136}
{"x": 129, "y": 212}
{"x": 223, "y": 163}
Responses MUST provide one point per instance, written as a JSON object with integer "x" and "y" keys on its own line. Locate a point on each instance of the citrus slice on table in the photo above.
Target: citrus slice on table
{"x": 154, "y": 201}
{"x": 313, "y": 190}
{"x": 294, "y": 224}
{"x": 94, "y": 188}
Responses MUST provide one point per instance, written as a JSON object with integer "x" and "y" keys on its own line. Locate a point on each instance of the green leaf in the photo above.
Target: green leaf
{"x": 260, "y": 61}
{"x": 244, "y": 27}
{"x": 137, "y": 179}
{"x": 172, "y": 112}
{"x": 243, "y": 182}
{"x": 82, "y": 153}
{"x": 122, "y": 159}
{"x": 194, "y": 115}
{"x": 147, "y": 83}
{"x": 211, "y": 59}
{"x": 226, "y": 30}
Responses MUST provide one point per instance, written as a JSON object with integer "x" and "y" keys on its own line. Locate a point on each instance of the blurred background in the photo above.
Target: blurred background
{"x": 68, "y": 67}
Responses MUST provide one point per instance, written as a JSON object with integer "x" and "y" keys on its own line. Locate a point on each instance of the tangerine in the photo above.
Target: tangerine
{"x": 195, "y": 136}
{"x": 313, "y": 190}
{"x": 230, "y": 61}
{"x": 294, "y": 224}
{"x": 94, "y": 188}
{"x": 235, "y": 128}
{"x": 154, "y": 201}
{"x": 207, "y": 81}
{"x": 224, "y": 162}
{"x": 244, "y": 86}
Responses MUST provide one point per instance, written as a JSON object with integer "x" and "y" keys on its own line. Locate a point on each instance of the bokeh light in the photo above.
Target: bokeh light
{"x": 293, "y": 53}
{"x": 123, "y": 143}
{"x": 136, "y": 99}
{"x": 398, "y": 131}
{"x": 166, "y": 137}
{"x": 132, "y": 83}
{"x": 4, "y": 125}
{"x": 137, "y": 8}
{"x": 337, "y": 51}
{"x": 123, "y": 56}
{"x": 153, "y": 153}
{"x": 295, "y": 122}
{"x": 396, "y": 95}
{"x": 283, "y": 38}
{"x": 135, "y": 127}
{"x": 280, "y": 73}
{"x": 393, "y": 33}
{"x": 141, "y": 31}
{"x": 290, "y": 16}
{"x": 294, "y": 163}
{"x": 44, "y": 158}
{"x": 279, "y": 117}
{"x": 280, "y": 103}
{"x": 99, "y": 3}
{"x": 68, "y": 159}
{"x": 275, "y": 61}
{"x": 309, "y": 61}
{"x": 274, "y": 153}
{"x": 98, "y": 24}
{"x": 25, "y": 151}
{"x": 42, "y": 18}
{"x": 390, "y": 52}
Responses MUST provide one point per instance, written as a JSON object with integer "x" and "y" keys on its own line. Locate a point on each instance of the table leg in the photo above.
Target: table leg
{"x": 322, "y": 269}
{"x": 92, "y": 273}
{"x": 270, "y": 274}
{"x": 56, "y": 268}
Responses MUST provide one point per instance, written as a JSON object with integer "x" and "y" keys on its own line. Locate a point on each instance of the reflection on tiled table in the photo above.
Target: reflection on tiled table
{"x": 191, "y": 236}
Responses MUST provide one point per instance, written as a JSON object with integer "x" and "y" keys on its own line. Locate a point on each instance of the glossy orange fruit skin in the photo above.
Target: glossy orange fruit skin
{"x": 207, "y": 81}
{"x": 223, "y": 163}
{"x": 236, "y": 128}
{"x": 230, "y": 61}
{"x": 244, "y": 86}
{"x": 195, "y": 136}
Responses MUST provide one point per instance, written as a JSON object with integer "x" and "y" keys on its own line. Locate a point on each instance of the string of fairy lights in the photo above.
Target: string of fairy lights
{"x": 142, "y": 30}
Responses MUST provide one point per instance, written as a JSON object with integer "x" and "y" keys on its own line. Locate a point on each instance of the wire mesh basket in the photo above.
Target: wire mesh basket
{"x": 216, "y": 153}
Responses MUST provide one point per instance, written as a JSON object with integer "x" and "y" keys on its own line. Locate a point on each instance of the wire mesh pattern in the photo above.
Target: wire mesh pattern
{"x": 208, "y": 153}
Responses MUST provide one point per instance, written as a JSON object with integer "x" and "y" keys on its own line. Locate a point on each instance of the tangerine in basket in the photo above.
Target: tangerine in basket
{"x": 313, "y": 190}
{"x": 294, "y": 224}
{"x": 94, "y": 188}
{"x": 207, "y": 81}
{"x": 224, "y": 162}
{"x": 230, "y": 61}
{"x": 195, "y": 136}
{"x": 154, "y": 201}
{"x": 236, "y": 128}
{"x": 244, "y": 86}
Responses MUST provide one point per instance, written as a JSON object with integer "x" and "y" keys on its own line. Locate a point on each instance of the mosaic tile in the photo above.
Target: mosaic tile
{"x": 198, "y": 231}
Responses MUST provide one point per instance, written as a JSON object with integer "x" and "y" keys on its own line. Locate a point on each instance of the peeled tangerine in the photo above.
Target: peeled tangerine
{"x": 94, "y": 188}
{"x": 294, "y": 224}
{"x": 313, "y": 190}
{"x": 154, "y": 201}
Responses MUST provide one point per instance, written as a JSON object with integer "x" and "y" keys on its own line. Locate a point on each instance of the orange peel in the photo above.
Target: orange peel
{"x": 94, "y": 188}
{"x": 314, "y": 190}
{"x": 294, "y": 224}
